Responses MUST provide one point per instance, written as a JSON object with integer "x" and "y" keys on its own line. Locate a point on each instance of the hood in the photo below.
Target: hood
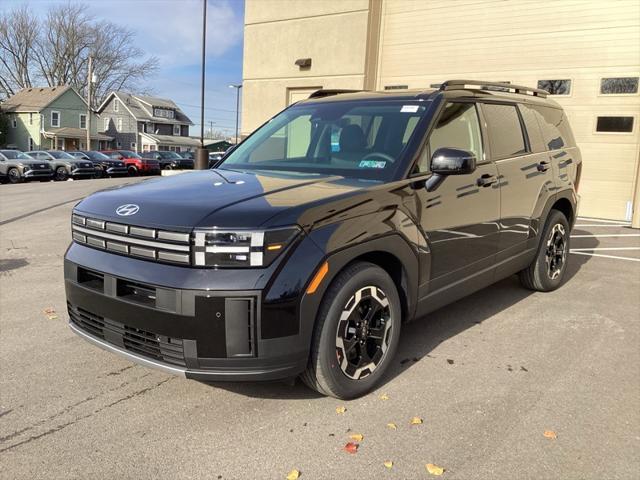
{"x": 215, "y": 198}
{"x": 32, "y": 161}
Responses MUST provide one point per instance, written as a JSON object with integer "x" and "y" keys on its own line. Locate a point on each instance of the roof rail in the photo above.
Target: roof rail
{"x": 465, "y": 84}
{"x": 330, "y": 92}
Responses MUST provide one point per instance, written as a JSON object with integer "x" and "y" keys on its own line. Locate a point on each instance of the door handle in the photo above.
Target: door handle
{"x": 486, "y": 180}
{"x": 543, "y": 166}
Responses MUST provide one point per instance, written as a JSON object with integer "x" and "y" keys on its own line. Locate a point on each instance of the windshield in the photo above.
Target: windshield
{"x": 96, "y": 156}
{"x": 362, "y": 139}
{"x": 61, "y": 155}
{"x": 15, "y": 155}
{"x": 170, "y": 155}
{"x": 129, "y": 154}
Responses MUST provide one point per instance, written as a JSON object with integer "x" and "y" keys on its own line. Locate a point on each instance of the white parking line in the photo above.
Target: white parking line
{"x": 606, "y": 256}
{"x": 603, "y": 248}
{"x": 607, "y": 235}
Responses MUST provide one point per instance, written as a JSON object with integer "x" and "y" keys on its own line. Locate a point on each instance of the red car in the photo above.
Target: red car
{"x": 136, "y": 165}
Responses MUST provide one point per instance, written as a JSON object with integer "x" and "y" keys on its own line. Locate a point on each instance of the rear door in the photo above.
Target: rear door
{"x": 461, "y": 216}
{"x": 525, "y": 173}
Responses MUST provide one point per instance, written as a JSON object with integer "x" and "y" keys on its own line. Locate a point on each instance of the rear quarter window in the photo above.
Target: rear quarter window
{"x": 555, "y": 127}
{"x": 505, "y": 132}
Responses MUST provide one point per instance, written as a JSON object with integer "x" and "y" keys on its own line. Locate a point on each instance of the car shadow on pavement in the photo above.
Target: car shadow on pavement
{"x": 421, "y": 336}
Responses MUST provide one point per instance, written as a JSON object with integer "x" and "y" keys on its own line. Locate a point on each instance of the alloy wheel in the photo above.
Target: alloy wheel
{"x": 556, "y": 252}
{"x": 363, "y": 332}
{"x": 14, "y": 175}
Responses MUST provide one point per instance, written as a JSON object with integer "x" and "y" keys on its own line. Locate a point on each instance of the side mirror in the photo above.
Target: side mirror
{"x": 449, "y": 161}
{"x": 453, "y": 161}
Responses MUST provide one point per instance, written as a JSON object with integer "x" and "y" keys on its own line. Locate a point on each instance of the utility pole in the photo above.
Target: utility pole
{"x": 237, "y": 87}
{"x": 88, "y": 122}
{"x": 202, "y": 156}
{"x": 211, "y": 129}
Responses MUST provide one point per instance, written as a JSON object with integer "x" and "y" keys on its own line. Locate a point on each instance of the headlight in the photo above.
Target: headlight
{"x": 240, "y": 248}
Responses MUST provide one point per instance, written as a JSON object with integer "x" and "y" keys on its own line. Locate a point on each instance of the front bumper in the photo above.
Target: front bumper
{"x": 83, "y": 172}
{"x": 205, "y": 334}
{"x": 29, "y": 174}
{"x": 146, "y": 168}
{"x": 117, "y": 171}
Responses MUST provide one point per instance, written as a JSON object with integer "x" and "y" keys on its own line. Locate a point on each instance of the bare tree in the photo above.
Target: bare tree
{"x": 55, "y": 51}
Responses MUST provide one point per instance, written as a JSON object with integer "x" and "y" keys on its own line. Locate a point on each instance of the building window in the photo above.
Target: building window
{"x": 555, "y": 87}
{"x": 119, "y": 124}
{"x": 119, "y": 145}
{"x": 116, "y": 105}
{"x": 152, "y": 147}
{"x": 396, "y": 87}
{"x": 614, "y": 124}
{"x": 620, "y": 85}
{"x": 14, "y": 122}
{"x": 31, "y": 119}
{"x": 55, "y": 119}
{"x": 133, "y": 146}
{"x": 107, "y": 120}
{"x": 83, "y": 120}
{"x": 176, "y": 129}
{"x": 164, "y": 113}
{"x": 31, "y": 144}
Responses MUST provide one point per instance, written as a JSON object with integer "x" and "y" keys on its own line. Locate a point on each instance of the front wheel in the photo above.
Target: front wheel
{"x": 549, "y": 266}
{"x": 356, "y": 333}
{"x": 61, "y": 174}
{"x": 133, "y": 171}
{"x": 14, "y": 175}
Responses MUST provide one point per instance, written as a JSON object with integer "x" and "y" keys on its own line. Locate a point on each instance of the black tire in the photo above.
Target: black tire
{"x": 133, "y": 171}
{"x": 13, "y": 174}
{"x": 61, "y": 174}
{"x": 99, "y": 173}
{"x": 548, "y": 269}
{"x": 330, "y": 371}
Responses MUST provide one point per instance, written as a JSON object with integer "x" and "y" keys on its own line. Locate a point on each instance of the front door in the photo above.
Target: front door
{"x": 461, "y": 216}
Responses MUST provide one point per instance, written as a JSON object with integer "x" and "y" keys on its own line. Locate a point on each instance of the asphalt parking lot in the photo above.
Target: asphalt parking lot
{"x": 488, "y": 376}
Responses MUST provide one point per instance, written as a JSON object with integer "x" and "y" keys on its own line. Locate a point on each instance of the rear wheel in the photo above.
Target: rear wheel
{"x": 99, "y": 172}
{"x": 133, "y": 171}
{"x": 14, "y": 175}
{"x": 549, "y": 267}
{"x": 61, "y": 174}
{"x": 356, "y": 333}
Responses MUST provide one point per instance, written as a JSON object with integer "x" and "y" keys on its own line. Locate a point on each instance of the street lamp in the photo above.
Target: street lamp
{"x": 237, "y": 87}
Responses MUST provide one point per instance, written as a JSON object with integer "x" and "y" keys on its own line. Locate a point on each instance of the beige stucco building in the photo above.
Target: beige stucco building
{"x": 396, "y": 44}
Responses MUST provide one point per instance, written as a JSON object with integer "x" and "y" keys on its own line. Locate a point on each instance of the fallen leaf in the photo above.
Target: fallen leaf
{"x": 351, "y": 447}
{"x": 293, "y": 475}
{"x": 392, "y": 426}
{"x": 388, "y": 464}
{"x": 434, "y": 469}
{"x": 341, "y": 410}
{"x": 358, "y": 437}
{"x": 384, "y": 396}
{"x": 550, "y": 434}
{"x": 50, "y": 313}
{"x": 416, "y": 421}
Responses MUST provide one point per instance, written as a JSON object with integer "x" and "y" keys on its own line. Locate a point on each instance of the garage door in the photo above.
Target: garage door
{"x": 590, "y": 46}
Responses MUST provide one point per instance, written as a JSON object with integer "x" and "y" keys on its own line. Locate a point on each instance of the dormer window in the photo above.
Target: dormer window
{"x": 176, "y": 129}
{"x": 164, "y": 113}
{"x": 116, "y": 105}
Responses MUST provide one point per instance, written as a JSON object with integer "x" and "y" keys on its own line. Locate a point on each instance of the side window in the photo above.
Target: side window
{"x": 555, "y": 127}
{"x": 457, "y": 127}
{"x": 536, "y": 142}
{"x": 505, "y": 132}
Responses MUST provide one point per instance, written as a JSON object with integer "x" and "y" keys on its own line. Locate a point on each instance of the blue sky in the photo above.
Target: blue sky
{"x": 171, "y": 30}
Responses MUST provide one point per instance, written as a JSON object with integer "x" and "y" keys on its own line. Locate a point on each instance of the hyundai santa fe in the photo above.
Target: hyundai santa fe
{"x": 314, "y": 240}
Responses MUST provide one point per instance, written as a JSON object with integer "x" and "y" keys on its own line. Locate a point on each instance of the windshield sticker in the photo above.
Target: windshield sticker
{"x": 409, "y": 108}
{"x": 372, "y": 164}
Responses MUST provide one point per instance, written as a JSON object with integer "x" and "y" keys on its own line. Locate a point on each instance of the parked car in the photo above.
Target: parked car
{"x": 105, "y": 166}
{"x": 291, "y": 258}
{"x": 188, "y": 155}
{"x": 16, "y": 167}
{"x": 136, "y": 165}
{"x": 65, "y": 166}
{"x": 214, "y": 158}
{"x": 169, "y": 160}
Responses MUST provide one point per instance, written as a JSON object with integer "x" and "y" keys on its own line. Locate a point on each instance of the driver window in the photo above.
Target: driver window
{"x": 457, "y": 127}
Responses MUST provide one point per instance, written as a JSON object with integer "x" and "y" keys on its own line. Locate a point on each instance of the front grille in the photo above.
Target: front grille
{"x": 140, "y": 342}
{"x": 141, "y": 242}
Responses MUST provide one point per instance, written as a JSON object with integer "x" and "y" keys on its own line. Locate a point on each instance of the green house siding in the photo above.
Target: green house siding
{"x": 31, "y": 124}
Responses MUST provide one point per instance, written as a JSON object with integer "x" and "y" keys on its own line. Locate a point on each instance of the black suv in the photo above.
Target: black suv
{"x": 321, "y": 233}
{"x": 169, "y": 160}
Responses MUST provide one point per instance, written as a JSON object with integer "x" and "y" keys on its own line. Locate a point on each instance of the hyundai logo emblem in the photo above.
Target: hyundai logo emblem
{"x": 127, "y": 209}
